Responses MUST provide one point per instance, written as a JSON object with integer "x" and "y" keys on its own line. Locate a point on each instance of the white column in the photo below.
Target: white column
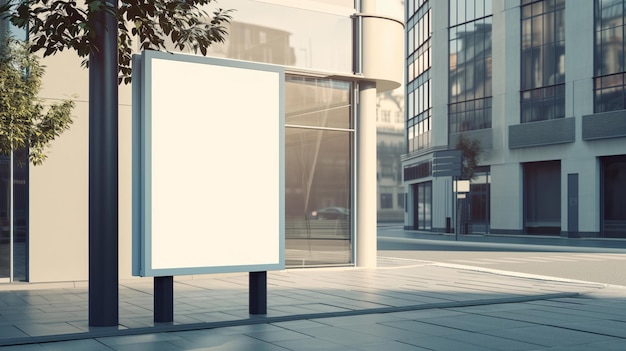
{"x": 366, "y": 166}
{"x": 368, "y": 6}
{"x": 366, "y": 177}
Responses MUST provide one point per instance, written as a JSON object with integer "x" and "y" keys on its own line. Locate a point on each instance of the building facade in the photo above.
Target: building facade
{"x": 390, "y": 148}
{"x": 337, "y": 56}
{"x": 539, "y": 83}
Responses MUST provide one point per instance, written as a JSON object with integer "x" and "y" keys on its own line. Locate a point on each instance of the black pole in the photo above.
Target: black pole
{"x": 258, "y": 293}
{"x": 103, "y": 173}
{"x": 163, "y": 299}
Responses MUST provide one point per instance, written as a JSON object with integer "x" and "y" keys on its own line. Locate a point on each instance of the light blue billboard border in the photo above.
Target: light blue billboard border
{"x": 142, "y": 156}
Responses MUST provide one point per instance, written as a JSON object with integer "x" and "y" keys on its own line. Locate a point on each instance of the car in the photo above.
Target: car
{"x": 332, "y": 212}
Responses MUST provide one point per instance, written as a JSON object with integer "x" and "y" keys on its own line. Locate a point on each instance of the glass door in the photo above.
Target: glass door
{"x": 14, "y": 217}
{"x": 5, "y": 219}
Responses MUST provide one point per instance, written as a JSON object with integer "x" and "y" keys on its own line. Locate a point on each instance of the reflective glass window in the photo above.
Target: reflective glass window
{"x": 318, "y": 172}
{"x": 609, "y": 62}
{"x": 419, "y": 92}
{"x": 542, "y": 60}
{"x": 318, "y": 102}
{"x": 287, "y": 35}
{"x": 470, "y": 66}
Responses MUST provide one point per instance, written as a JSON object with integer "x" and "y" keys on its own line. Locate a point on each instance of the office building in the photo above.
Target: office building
{"x": 337, "y": 56}
{"x": 540, "y": 84}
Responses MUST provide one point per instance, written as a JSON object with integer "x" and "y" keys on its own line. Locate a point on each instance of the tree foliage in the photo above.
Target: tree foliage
{"x": 471, "y": 151}
{"x": 24, "y": 120}
{"x": 55, "y": 25}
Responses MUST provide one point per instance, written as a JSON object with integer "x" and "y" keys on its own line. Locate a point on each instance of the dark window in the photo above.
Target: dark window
{"x": 386, "y": 200}
{"x": 543, "y": 60}
{"x": 422, "y": 170}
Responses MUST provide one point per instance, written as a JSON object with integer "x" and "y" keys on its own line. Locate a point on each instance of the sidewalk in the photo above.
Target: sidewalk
{"x": 401, "y": 305}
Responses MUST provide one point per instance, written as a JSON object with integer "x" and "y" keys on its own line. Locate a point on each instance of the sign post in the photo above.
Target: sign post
{"x": 449, "y": 163}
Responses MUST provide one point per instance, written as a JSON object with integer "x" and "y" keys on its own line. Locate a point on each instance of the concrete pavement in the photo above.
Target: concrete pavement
{"x": 401, "y": 305}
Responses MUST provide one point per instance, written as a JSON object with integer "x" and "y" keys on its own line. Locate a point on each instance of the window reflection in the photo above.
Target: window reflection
{"x": 318, "y": 172}
{"x": 285, "y": 35}
{"x": 419, "y": 90}
{"x": 543, "y": 60}
{"x": 470, "y": 66}
{"x": 609, "y": 56}
{"x": 318, "y": 102}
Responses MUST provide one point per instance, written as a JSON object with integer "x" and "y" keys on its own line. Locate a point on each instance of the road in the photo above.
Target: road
{"x": 599, "y": 261}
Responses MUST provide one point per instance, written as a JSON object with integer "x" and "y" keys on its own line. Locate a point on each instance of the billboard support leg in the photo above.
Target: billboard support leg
{"x": 258, "y": 293}
{"x": 163, "y": 299}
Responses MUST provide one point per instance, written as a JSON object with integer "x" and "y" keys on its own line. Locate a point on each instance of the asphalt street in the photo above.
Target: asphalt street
{"x": 589, "y": 260}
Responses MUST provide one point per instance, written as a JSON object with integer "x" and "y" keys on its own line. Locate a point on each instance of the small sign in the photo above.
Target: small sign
{"x": 447, "y": 163}
{"x": 462, "y": 186}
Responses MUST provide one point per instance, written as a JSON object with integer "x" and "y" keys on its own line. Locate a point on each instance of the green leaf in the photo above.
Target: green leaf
{"x": 62, "y": 24}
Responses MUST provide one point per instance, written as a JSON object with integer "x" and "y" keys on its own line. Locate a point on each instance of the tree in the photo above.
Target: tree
{"x": 55, "y": 25}
{"x": 471, "y": 151}
{"x": 102, "y": 31}
{"x": 24, "y": 120}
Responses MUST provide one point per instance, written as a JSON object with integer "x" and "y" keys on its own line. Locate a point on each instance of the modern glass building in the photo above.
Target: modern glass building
{"x": 539, "y": 83}
{"x": 338, "y": 55}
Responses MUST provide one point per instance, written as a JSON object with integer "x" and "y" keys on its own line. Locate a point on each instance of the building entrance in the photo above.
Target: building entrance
{"x": 542, "y": 197}
{"x": 613, "y": 196}
{"x": 422, "y": 204}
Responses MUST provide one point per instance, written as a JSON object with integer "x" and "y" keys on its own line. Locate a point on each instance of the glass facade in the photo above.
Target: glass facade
{"x": 419, "y": 87}
{"x": 609, "y": 62}
{"x": 543, "y": 60}
{"x": 470, "y": 65}
{"x": 318, "y": 171}
{"x": 286, "y": 37}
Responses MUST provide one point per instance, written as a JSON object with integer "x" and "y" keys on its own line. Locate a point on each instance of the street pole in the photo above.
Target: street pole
{"x": 454, "y": 206}
{"x": 103, "y": 173}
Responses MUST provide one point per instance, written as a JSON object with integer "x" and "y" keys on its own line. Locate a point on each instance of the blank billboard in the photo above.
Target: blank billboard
{"x": 208, "y": 165}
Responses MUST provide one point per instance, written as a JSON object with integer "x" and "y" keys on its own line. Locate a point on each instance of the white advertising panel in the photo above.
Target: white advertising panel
{"x": 208, "y": 165}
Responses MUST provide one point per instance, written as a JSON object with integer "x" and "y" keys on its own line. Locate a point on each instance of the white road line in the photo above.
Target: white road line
{"x": 528, "y": 259}
{"x": 603, "y": 257}
{"x": 472, "y": 262}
